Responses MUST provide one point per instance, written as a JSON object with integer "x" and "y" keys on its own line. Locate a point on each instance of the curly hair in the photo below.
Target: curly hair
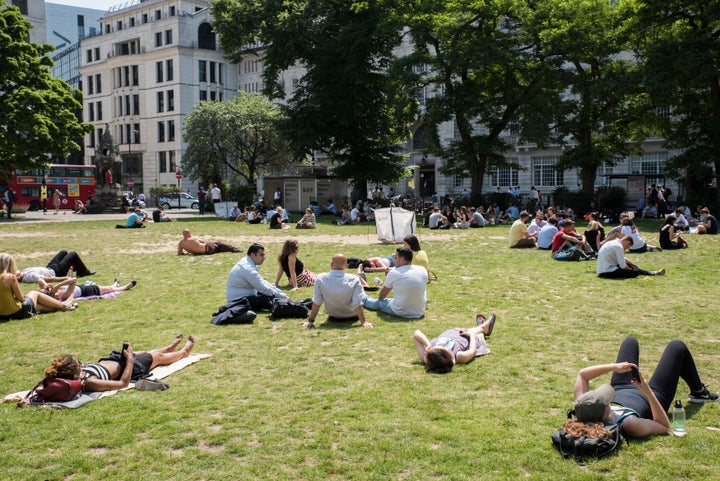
{"x": 578, "y": 429}
{"x": 65, "y": 366}
{"x": 290, "y": 246}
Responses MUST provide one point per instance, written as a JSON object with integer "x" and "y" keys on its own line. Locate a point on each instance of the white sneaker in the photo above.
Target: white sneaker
{"x": 117, "y": 283}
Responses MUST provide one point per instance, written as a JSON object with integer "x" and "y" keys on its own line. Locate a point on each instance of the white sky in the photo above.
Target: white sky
{"x": 96, "y": 4}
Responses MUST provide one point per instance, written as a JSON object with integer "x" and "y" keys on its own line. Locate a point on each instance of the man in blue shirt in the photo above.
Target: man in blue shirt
{"x": 245, "y": 281}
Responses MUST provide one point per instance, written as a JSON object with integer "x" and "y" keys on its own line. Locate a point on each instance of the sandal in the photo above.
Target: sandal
{"x": 480, "y": 319}
{"x": 491, "y": 320}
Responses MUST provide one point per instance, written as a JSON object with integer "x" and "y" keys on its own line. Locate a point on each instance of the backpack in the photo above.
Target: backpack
{"x": 571, "y": 254}
{"x": 236, "y": 312}
{"x": 587, "y": 447}
{"x": 284, "y": 308}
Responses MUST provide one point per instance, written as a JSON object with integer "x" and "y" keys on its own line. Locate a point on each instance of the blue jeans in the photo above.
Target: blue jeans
{"x": 382, "y": 305}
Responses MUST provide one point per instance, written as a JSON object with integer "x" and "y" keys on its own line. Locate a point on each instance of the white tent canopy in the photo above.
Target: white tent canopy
{"x": 393, "y": 224}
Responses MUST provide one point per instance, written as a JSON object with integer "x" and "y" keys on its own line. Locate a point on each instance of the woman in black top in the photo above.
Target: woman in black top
{"x": 293, "y": 267}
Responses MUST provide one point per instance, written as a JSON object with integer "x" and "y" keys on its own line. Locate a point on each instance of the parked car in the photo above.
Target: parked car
{"x": 186, "y": 200}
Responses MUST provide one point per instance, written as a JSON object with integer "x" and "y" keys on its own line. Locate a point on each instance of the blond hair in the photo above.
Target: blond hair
{"x": 7, "y": 264}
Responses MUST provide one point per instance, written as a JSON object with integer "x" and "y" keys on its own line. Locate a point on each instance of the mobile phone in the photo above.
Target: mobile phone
{"x": 125, "y": 346}
{"x": 635, "y": 373}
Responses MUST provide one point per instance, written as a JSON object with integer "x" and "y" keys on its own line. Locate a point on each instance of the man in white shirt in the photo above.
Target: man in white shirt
{"x": 340, "y": 292}
{"x": 612, "y": 264}
{"x": 245, "y": 281}
{"x": 681, "y": 222}
{"x": 436, "y": 219}
{"x": 408, "y": 282}
{"x": 537, "y": 223}
{"x": 547, "y": 233}
{"x": 216, "y": 194}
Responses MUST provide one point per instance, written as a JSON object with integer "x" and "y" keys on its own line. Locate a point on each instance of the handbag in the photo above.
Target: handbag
{"x": 284, "y": 308}
{"x": 54, "y": 389}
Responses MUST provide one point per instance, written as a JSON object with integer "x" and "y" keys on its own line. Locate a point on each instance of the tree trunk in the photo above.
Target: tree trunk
{"x": 588, "y": 174}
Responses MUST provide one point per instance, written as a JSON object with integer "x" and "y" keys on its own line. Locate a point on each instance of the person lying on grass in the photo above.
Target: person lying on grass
{"x": 68, "y": 289}
{"x": 118, "y": 369}
{"x": 454, "y": 346}
{"x": 638, "y": 406}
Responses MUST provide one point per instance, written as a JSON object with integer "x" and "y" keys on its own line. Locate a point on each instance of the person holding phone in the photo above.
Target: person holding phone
{"x": 119, "y": 368}
{"x": 639, "y": 407}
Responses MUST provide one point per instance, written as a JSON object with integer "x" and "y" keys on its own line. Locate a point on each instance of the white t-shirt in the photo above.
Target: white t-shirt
{"x": 611, "y": 257}
{"x": 408, "y": 284}
{"x": 215, "y": 192}
{"x": 638, "y": 241}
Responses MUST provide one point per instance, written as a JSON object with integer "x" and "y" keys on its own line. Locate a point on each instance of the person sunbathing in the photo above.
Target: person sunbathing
{"x": 118, "y": 369}
{"x": 68, "y": 289}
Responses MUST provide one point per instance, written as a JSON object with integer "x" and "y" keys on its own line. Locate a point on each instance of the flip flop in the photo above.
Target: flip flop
{"x": 480, "y": 319}
{"x": 492, "y": 325}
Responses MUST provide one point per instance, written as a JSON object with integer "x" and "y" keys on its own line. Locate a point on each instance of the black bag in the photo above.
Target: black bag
{"x": 587, "y": 447}
{"x": 236, "y": 312}
{"x": 284, "y": 308}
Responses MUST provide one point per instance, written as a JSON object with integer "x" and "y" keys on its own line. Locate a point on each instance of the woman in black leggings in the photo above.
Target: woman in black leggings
{"x": 639, "y": 407}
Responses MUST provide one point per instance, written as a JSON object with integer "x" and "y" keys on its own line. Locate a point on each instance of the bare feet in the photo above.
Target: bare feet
{"x": 189, "y": 344}
{"x": 173, "y": 345}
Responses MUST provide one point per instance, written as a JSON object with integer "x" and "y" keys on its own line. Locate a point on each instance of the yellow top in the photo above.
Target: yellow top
{"x": 420, "y": 258}
{"x": 8, "y": 304}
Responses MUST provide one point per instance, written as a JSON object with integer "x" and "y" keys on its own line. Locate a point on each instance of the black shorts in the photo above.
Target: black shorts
{"x": 27, "y": 309}
{"x": 88, "y": 290}
{"x": 141, "y": 366}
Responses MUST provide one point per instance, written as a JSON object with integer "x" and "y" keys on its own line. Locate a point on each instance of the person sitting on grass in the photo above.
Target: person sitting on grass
{"x": 118, "y": 369}
{"x": 136, "y": 219}
{"x": 519, "y": 236}
{"x": 409, "y": 285}
{"x": 341, "y": 293}
{"x": 454, "y": 346}
{"x": 68, "y": 289}
{"x": 420, "y": 257}
{"x": 709, "y": 223}
{"x": 79, "y": 207}
{"x": 15, "y": 305}
{"x": 277, "y": 220}
{"x": 293, "y": 268}
{"x": 307, "y": 221}
{"x": 638, "y": 407}
{"x": 547, "y": 234}
{"x": 194, "y": 245}
{"x": 669, "y": 236}
{"x": 639, "y": 245}
{"x": 569, "y": 239}
{"x": 612, "y": 264}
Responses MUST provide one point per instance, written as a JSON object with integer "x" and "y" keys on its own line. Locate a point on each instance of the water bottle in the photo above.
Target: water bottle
{"x": 678, "y": 419}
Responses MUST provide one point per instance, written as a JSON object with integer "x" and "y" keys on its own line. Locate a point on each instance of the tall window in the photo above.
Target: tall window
{"x": 203, "y": 95}
{"x": 545, "y": 173}
{"x": 170, "y": 100}
{"x": 98, "y": 83}
{"x": 202, "y": 70}
{"x": 168, "y": 37}
{"x": 457, "y": 181}
{"x": 161, "y": 101}
{"x": 220, "y": 73}
{"x": 98, "y": 107}
{"x": 212, "y": 72}
{"x": 90, "y": 85}
{"x": 171, "y": 160}
{"x": 88, "y": 56}
{"x": 158, "y": 39}
{"x": 126, "y": 71}
{"x": 171, "y": 130}
{"x": 158, "y": 72}
{"x": 136, "y": 104}
{"x": 136, "y": 133}
{"x": 169, "y": 70}
{"x": 135, "y": 75}
{"x": 91, "y": 112}
{"x": 97, "y": 53}
{"x": 127, "y": 105}
{"x": 161, "y": 131}
{"x": 162, "y": 162}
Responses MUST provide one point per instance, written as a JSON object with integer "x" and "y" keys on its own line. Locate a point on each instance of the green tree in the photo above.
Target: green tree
{"x": 679, "y": 48}
{"x": 487, "y": 75}
{"x": 37, "y": 110}
{"x": 601, "y": 102}
{"x": 239, "y": 136}
{"x": 346, "y": 103}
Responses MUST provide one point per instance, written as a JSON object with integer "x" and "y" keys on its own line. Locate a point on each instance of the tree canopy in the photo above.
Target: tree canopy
{"x": 239, "y": 136}
{"x": 37, "y": 110}
{"x": 678, "y": 43}
{"x": 346, "y": 104}
{"x": 487, "y": 72}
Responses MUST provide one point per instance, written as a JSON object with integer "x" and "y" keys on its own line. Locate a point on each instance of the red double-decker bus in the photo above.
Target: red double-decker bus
{"x": 73, "y": 181}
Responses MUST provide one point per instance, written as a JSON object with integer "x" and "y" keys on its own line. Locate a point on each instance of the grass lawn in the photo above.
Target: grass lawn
{"x": 341, "y": 402}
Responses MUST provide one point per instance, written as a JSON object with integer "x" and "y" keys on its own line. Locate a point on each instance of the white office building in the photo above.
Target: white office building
{"x": 153, "y": 61}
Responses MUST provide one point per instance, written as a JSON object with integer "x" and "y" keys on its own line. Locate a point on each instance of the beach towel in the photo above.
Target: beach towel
{"x": 159, "y": 372}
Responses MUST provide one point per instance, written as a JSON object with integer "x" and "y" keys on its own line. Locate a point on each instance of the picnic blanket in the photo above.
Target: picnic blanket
{"x": 83, "y": 398}
{"x": 109, "y": 295}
